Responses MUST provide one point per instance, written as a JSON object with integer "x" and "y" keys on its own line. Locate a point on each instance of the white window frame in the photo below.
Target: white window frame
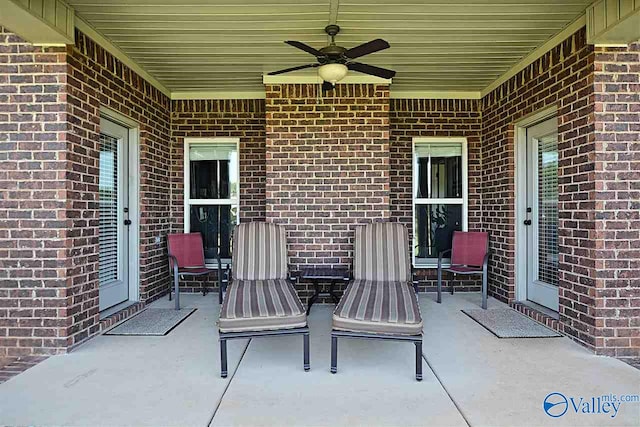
{"x": 188, "y": 201}
{"x": 464, "y": 200}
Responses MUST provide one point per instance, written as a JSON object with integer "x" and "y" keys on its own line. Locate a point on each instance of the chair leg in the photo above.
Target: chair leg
{"x": 176, "y": 286}
{"x": 484, "y": 291}
{"x": 223, "y": 358}
{"x": 305, "y": 339}
{"x": 439, "y": 300}
{"x": 418, "y": 360}
{"x": 334, "y": 354}
{"x": 451, "y": 283}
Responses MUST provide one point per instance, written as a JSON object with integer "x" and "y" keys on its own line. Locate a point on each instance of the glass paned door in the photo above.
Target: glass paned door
{"x": 113, "y": 223}
{"x": 542, "y": 214}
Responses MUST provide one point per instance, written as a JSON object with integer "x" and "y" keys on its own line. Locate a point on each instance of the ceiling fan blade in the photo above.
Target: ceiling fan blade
{"x": 372, "y": 70}
{"x": 305, "y": 47}
{"x": 366, "y": 48}
{"x": 286, "y": 70}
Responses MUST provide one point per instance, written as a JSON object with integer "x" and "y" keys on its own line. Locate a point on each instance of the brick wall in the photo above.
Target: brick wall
{"x": 318, "y": 163}
{"x": 33, "y": 193}
{"x": 410, "y": 118}
{"x": 50, "y": 103}
{"x": 327, "y": 166}
{"x": 244, "y": 119}
{"x": 97, "y": 79}
{"x": 562, "y": 77}
{"x": 241, "y": 118}
{"x": 617, "y": 201}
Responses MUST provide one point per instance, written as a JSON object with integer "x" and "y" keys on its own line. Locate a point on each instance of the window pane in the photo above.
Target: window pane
{"x": 434, "y": 227}
{"x": 439, "y": 170}
{"x": 548, "y": 210}
{"x": 213, "y": 171}
{"x": 216, "y": 224}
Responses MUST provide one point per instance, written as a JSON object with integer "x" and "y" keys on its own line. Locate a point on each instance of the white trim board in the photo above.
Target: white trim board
{"x": 315, "y": 79}
{"x": 186, "y": 200}
{"x": 212, "y": 94}
{"x": 134, "y": 196}
{"x": 464, "y": 200}
{"x": 520, "y": 201}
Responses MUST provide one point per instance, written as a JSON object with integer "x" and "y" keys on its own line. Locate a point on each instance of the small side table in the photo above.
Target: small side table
{"x": 315, "y": 275}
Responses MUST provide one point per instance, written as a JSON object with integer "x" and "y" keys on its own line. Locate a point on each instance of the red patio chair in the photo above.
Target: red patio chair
{"x": 469, "y": 255}
{"x": 186, "y": 258}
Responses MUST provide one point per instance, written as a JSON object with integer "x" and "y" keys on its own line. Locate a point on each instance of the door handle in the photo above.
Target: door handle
{"x": 127, "y": 222}
{"x": 527, "y": 222}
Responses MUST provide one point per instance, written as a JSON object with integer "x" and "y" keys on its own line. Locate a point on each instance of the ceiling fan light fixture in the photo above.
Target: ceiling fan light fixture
{"x": 333, "y": 72}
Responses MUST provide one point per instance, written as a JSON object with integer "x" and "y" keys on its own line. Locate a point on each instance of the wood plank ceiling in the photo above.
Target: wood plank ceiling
{"x": 227, "y": 45}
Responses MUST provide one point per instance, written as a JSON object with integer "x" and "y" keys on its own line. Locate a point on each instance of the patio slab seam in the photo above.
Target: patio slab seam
{"x": 231, "y": 377}
{"x": 444, "y": 388}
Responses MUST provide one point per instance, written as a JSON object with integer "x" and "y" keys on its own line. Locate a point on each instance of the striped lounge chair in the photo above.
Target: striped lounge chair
{"x": 380, "y": 302}
{"x": 260, "y": 299}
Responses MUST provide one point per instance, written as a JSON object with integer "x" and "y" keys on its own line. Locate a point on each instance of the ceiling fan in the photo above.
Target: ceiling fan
{"x": 334, "y": 62}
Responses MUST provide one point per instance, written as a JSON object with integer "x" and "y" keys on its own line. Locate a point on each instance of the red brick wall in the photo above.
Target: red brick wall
{"x": 562, "y": 77}
{"x": 98, "y": 79}
{"x": 50, "y": 103}
{"x": 33, "y": 193}
{"x": 617, "y": 201}
{"x": 242, "y": 118}
{"x": 410, "y": 118}
{"x": 327, "y": 166}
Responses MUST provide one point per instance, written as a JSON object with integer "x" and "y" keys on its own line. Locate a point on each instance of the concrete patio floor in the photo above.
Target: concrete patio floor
{"x": 470, "y": 378}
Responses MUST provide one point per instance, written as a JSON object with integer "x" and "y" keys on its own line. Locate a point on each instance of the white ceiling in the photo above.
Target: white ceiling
{"x": 227, "y": 45}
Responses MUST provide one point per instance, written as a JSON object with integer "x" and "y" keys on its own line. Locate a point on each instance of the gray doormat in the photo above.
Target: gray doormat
{"x": 152, "y": 321}
{"x": 508, "y": 323}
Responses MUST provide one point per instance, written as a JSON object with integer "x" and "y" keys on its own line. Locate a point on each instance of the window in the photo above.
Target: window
{"x": 439, "y": 196}
{"x": 211, "y": 193}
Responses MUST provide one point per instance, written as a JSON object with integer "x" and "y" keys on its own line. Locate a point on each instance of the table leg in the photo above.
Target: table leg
{"x": 315, "y": 295}
{"x": 334, "y": 297}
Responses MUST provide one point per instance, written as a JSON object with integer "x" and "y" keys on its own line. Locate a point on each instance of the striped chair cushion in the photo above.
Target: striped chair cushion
{"x": 257, "y": 305}
{"x": 381, "y": 252}
{"x": 379, "y": 307}
{"x": 259, "y": 251}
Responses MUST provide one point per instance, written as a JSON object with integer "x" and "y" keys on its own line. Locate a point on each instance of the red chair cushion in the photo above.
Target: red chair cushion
{"x": 469, "y": 248}
{"x": 187, "y": 248}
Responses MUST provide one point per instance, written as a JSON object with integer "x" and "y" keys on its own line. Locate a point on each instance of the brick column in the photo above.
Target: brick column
{"x": 617, "y": 201}
{"x": 33, "y": 192}
{"x": 327, "y": 166}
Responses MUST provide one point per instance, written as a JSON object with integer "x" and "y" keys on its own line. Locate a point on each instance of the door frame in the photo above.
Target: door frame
{"x": 520, "y": 147}
{"x": 134, "y": 197}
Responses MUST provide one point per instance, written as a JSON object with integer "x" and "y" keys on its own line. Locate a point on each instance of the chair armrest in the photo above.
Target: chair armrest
{"x": 440, "y": 256}
{"x": 485, "y": 262}
{"x": 173, "y": 263}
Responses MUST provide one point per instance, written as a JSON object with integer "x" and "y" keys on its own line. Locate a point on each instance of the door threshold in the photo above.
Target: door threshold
{"x": 116, "y": 308}
{"x": 542, "y": 309}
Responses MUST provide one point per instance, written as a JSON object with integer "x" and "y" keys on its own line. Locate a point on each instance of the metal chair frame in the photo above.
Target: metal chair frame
{"x": 416, "y": 339}
{"x": 225, "y": 336}
{"x": 481, "y": 270}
